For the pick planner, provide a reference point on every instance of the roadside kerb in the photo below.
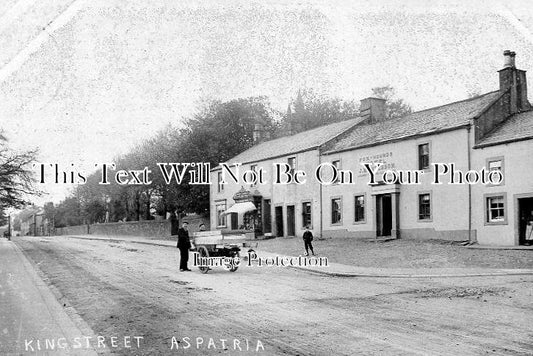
(64, 323)
(341, 270)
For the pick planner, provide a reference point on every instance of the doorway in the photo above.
(525, 216)
(291, 223)
(383, 215)
(267, 216)
(234, 221)
(279, 220)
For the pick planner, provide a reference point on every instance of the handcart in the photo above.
(216, 246)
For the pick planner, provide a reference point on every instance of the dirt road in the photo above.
(135, 292)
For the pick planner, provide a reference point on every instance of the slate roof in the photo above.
(517, 127)
(423, 122)
(299, 142)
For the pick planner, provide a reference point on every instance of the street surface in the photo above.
(136, 294)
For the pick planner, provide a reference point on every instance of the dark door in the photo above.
(279, 220)
(291, 224)
(234, 221)
(383, 215)
(267, 216)
(525, 214)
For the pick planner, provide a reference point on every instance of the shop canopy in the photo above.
(241, 208)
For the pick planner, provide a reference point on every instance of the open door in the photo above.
(383, 215)
(525, 228)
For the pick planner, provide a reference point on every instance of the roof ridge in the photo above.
(312, 129)
(452, 103)
(504, 122)
(433, 108)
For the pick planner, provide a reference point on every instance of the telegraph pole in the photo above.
(9, 227)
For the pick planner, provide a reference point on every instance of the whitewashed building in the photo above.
(490, 132)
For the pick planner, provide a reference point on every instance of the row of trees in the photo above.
(217, 132)
(15, 178)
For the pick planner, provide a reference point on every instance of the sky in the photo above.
(86, 80)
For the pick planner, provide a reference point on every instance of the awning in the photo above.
(241, 208)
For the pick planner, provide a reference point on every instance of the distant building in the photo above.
(493, 131)
(34, 224)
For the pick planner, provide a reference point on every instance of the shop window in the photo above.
(220, 209)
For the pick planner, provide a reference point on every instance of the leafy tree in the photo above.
(221, 130)
(310, 110)
(395, 107)
(3, 218)
(16, 223)
(15, 176)
(68, 212)
(218, 132)
(95, 211)
(49, 212)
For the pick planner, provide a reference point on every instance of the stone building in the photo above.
(492, 132)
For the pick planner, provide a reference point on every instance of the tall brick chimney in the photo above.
(373, 110)
(514, 80)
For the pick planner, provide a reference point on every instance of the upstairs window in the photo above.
(496, 164)
(292, 163)
(423, 156)
(337, 165)
(253, 168)
(220, 185)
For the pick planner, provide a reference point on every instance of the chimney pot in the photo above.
(508, 59)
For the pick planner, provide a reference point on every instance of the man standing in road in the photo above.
(184, 244)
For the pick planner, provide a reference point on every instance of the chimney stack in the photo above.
(260, 134)
(373, 110)
(514, 81)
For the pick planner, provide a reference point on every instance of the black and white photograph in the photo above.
(276, 177)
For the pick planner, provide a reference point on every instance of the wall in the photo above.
(72, 230)
(518, 180)
(156, 229)
(449, 203)
(148, 228)
(493, 116)
(195, 221)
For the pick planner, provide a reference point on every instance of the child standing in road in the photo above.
(308, 237)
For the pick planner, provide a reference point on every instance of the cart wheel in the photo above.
(202, 252)
(233, 268)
